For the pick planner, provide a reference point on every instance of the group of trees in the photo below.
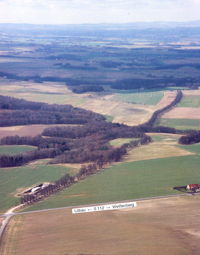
(84, 88)
(192, 137)
(78, 144)
(22, 112)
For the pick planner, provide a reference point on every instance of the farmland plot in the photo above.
(15, 180)
(182, 124)
(171, 227)
(182, 113)
(9, 150)
(125, 181)
(148, 98)
(28, 130)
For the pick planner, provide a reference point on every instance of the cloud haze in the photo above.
(97, 11)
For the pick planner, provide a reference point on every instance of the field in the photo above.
(9, 150)
(138, 74)
(151, 164)
(127, 181)
(15, 180)
(182, 113)
(186, 114)
(148, 98)
(182, 124)
(190, 99)
(163, 226)
(28, 130)
(190, 102)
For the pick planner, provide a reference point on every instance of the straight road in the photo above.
(11, 213)
(99, 204)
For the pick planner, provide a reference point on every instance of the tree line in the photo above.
(125, 84)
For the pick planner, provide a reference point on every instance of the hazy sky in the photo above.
(97, 11)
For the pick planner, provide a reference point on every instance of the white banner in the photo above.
(104, 207)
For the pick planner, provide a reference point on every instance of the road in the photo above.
(11, 213)
(70, 207)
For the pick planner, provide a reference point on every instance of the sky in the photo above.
(97, 11)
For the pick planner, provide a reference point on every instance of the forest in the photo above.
(21, 112)
(86, 142)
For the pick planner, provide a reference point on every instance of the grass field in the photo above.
(15, 180)
(182, 124)
(148, 98)
(14, 149)
(139, 179)
(163, 226)
(187, 101)
(195, 148)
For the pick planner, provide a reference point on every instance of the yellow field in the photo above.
(163, 226)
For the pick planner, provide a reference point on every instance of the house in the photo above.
(194, 187)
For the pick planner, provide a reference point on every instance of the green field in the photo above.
(164, 138)
(148, 98)
(15, 180)
(14, 149)
(192, 148)
(121, 141)
(182, 124)
(109, 118)
(131, 180)
(189, 102)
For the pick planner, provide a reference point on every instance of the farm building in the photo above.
(194, 187)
